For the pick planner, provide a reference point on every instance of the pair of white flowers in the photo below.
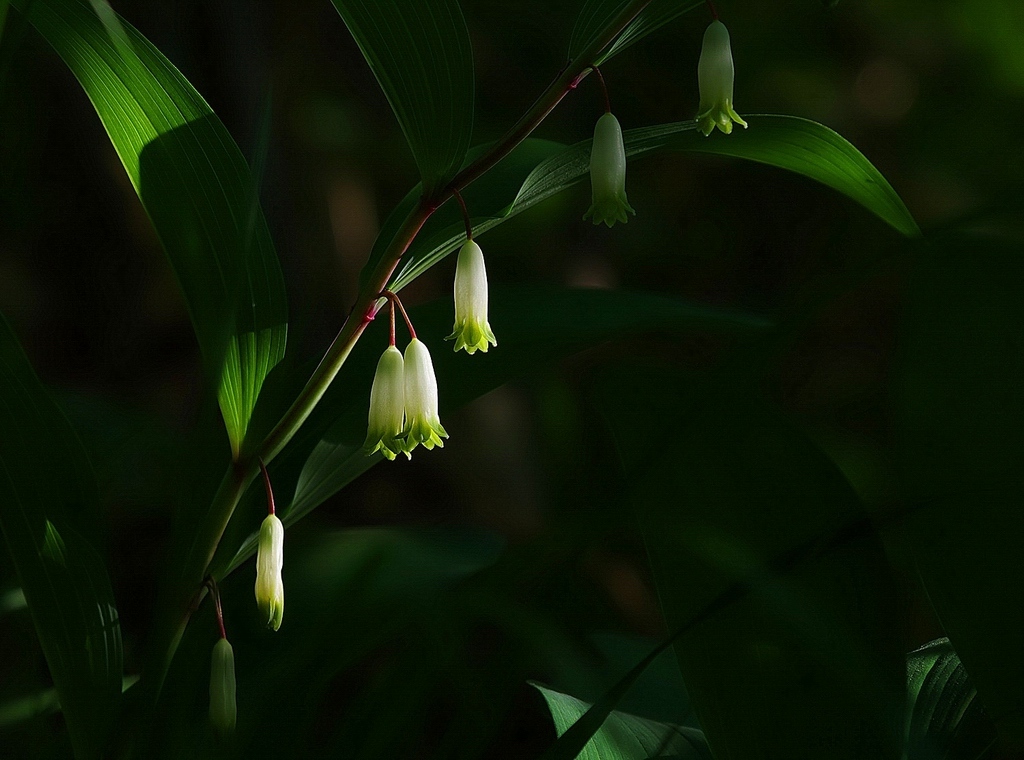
(715, 74)
(403, 403)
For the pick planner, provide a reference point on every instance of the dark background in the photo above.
(931, 92)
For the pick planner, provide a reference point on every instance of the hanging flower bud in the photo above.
(715, 77)
(222, 688)
(387, 406)
(269, 561)
(471, 330)
(422, 424)
(608, 174)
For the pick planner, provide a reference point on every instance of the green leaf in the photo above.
(47, 508)
(801, 146)
(786, 142)
(764, 559)
(652, 18)
(420, 52)
(658, 692)
(594, 17)
(623, 736)
(195, 186)
(945, 721)
(523, 319)
(960, 434)
(533, 168)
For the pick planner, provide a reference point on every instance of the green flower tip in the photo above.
(386, 425)
(608, 174)
(222, 688)
(269, 563)
(471, 332)
(715, 76)
(422, 424)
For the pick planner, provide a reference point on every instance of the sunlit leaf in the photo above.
(47, 510)
(786, 142)
(623, 736)
(419, 50)
(196, 187)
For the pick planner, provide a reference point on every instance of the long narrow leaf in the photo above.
(47, 508)
(786, 142)
(196, 188)
(593, 18)
(419, 50)
(651, 19)
(805, 658)
(959, 417)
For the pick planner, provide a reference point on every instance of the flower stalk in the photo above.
(241, 473)
(223, 708)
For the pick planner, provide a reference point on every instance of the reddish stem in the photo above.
(711, 7)
(396, 301)
(271, 509)
(392, 324)
(215, 592)
(604, 90)
(465, 213)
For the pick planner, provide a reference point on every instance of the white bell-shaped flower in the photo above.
(269, 563)
(471, 332)
(422, 424)
(386, 426)
(715, 78)
(608, 174)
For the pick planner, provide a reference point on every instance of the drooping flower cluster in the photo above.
(403, 403)
(715, 77)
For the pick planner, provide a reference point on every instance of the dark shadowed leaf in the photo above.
(960, 421)
(594, 17)
(419, 50)
(331, 454)
(196, 188)
(47, 510)
(651, 19)
(945, 721)
(761, 552)
(624, 736)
